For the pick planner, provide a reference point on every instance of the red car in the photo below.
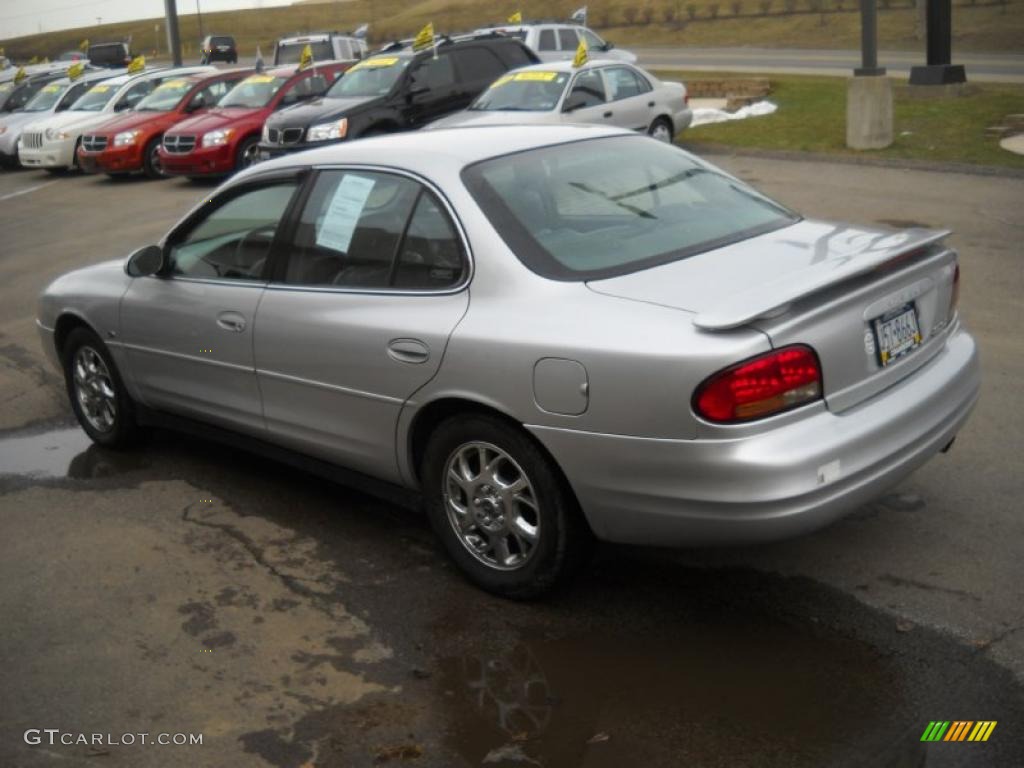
(223, 140)
(130, 142)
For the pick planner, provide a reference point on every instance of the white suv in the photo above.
(326, 46)
(558, 42)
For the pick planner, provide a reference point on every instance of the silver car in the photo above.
(599, 92)
(551, 333)
(558, 41)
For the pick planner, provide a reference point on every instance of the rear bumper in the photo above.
(681, 120)
(202, 161)
(774, 485)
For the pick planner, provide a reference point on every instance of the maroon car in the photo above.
(223, 140)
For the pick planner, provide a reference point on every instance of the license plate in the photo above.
(264, 155)
(896, 334)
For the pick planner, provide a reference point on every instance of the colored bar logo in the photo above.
(958, 730)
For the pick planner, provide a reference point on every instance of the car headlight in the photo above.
(328, 131)
(3, 129)
(54, 134)
(266, 133)
(217, 138)
(126, 138)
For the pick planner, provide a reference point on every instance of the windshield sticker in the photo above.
(380, 61)
(339, 222)
(259, 79)
(99, 89)
(171, 85)
(51, 89)
(528, 77)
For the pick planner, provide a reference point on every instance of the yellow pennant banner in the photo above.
(425, 38)
(581, 54)
(137, 65)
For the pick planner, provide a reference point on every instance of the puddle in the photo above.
(60, 453)
(740, 691)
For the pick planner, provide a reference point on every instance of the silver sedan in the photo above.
(599, 92)
(549, 333)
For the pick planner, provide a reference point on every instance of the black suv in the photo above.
(396, 89)
(110, 55)
(219, 48)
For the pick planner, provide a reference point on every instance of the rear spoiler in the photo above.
(772, 298)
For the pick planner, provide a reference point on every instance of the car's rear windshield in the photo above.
(111, 52)
(222, 41)
(47, 97)
(370, 77)
(291, 53)
(530, 91)
(96, 98)
(605, 207)
(253, 92)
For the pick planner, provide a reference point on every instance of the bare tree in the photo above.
(629, 14)
(647, 14)
(766, 7)
(790, 6)
(737, 7)
(668, 14)
(713, 10)
(691, 11)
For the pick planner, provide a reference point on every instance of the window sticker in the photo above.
(343, 212)
(378, 61)
(99, 89)
(529, 77)
(259, 79)
(51, 89)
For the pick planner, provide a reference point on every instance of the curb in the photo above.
(701, 148)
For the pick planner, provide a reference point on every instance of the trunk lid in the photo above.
(817, 283)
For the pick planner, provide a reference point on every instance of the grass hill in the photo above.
(979, 25)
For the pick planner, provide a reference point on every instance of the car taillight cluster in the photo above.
(766, 385)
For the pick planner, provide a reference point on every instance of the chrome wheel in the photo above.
(491, 505)
(94, 389)
(661, 132)
(155, 163)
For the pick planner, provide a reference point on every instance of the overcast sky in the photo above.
(18, 17)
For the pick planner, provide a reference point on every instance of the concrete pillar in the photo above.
(868, 112)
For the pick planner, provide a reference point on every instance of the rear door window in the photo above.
(368, 230)
(477, 64)
(623, 83)
(547, 40)
(435, 73)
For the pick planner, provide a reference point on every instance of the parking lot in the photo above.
(189, 588)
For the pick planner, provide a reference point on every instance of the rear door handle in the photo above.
(231, 321)
(408, 351)
(650, 103)
(607, 114)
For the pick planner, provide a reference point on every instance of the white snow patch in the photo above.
(703, 116)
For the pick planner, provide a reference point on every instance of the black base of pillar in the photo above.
(869, 71)
(938, 74)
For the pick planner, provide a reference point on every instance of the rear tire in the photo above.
(502, 511)
(661, 129)
(151, 165)
(98, 397)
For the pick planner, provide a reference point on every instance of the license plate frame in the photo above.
(897, 334)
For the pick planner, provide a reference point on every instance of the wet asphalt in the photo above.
(187, 587)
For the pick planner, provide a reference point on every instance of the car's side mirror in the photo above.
(574, 102)
(145, 261)
(416, 91)
(196, 105)
(607, 46)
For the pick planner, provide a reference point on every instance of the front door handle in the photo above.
(608, 114)
(231, 321)
(408, 351)
(650, 103)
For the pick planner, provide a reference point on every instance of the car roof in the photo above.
(91, 75)
(426, 152)
(566, 66)
(486, 37)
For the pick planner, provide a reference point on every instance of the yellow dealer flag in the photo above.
(425, 38)
(84, 45)
(306, 60)
(137, 65)
(76, 70)
(20, 75)
(34, 60)
(516, 18)
(581, 54)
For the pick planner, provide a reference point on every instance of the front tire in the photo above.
(247, 154)
(661, 130)
(151, 164)
(502, 511)
(98, 397)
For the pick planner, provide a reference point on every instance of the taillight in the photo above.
(954, 296)
(768, 384)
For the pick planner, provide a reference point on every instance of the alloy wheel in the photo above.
(661, 132)
(94, 389)
(491, 505)
(250, 154)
